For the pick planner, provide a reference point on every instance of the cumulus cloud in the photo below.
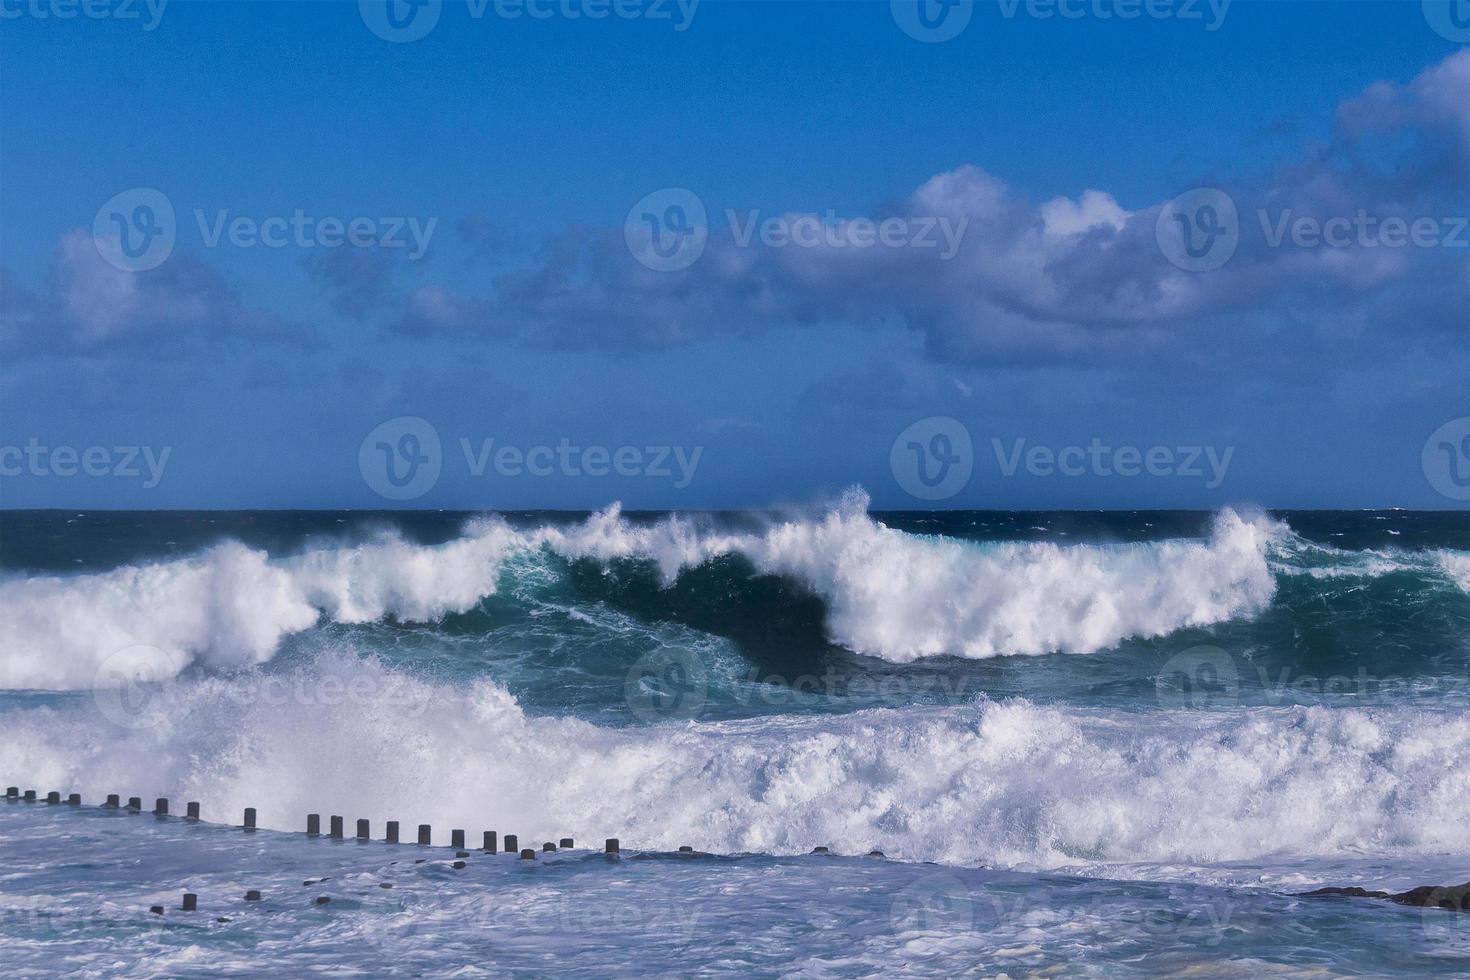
(1439, 98)
(356, 280)
(434, 310)
(1066, 279)
(89, 305)
(1095, 209)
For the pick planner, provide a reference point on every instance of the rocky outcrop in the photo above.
(1456, 898)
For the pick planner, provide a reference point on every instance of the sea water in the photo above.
(1117, 743)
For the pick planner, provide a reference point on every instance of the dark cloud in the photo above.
(91, 306)
(356, 280)
(485, 239)
(434, 311)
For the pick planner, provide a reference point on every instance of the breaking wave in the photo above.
(886, 593)
(1008, 783)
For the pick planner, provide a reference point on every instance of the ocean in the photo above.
(1112, 743)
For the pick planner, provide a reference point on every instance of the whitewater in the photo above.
(891, 595)
(1044, 723)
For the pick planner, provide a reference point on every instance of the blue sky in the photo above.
(1314, 375)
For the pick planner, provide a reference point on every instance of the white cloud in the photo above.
(1063, 216)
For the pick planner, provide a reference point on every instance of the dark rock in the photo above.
(1456, 898)
(1353, 892)
(1453, 897)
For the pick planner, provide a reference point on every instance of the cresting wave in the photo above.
(1001, 783)
(889, 594)
(231, 606)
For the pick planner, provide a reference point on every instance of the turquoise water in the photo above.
(1118, 743)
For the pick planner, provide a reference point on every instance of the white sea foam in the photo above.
(901, 597)
(1302, 557)
(232, 605)
(1002, 783)
(890, 594)
(1455, 564)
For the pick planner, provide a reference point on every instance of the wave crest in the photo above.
(888, 593)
